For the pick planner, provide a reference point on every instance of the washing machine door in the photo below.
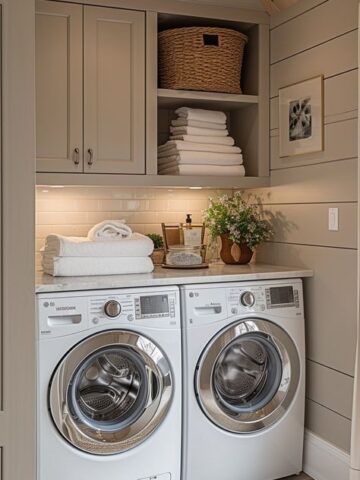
(110, 392)
(247, 376)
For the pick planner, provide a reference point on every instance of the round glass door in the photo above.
(110, 392)
(247, 376)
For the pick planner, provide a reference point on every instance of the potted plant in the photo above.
(240, 226)
(158, 253)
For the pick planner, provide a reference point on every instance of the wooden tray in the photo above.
(186, 267)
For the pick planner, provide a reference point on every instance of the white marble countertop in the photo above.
(161, 276)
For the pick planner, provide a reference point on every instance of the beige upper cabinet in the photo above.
(114, 90)
(96, 54)
(59, 109)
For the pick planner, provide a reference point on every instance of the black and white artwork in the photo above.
(301, 118)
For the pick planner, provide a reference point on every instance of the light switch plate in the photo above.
(333, 219)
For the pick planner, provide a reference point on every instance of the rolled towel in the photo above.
(184, 122)
(204, 139)
(81, 266)
(109, 230)
(235, 170)
(180, 145)
(136, 245)
(202, 158)
(198, 131)
(213, 116)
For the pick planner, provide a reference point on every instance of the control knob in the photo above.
(112, 308)
(247, 299)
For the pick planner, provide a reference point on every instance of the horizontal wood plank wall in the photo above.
(320, 37)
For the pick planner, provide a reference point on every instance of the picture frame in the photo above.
(301, 117)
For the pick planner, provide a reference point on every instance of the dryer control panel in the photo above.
(260, 298)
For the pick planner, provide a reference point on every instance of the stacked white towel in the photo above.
(109, 254)
(200, 145)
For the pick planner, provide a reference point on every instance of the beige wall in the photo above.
(321, 38)
(74, 210)
(17, 315)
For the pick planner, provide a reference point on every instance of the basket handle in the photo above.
(210, 39)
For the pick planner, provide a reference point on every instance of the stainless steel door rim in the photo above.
(110, 392)
(269, 397)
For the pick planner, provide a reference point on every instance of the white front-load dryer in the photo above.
(244, 370)
(109, 385)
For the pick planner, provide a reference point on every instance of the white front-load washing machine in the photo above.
(244, 370)
(109, 385)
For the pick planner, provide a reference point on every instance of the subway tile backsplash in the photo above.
(74, 210)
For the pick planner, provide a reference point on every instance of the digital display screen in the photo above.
(154, 304)
(281, 295)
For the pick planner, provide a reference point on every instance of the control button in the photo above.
(247, 299)
(112, 308)
(95, 320)
(234, 311)
(130, 317)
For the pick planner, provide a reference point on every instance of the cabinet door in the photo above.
(114, 91)
(59, 102)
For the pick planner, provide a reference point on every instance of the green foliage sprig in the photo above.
(157, 240)
(240, 219)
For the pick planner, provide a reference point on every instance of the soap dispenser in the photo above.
(192, 236)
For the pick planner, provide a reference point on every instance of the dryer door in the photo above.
(247, 376)
(110, 392)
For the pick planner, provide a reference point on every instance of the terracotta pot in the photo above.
(158, 256)
(234, 253)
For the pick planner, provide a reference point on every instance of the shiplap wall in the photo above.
(320, 37)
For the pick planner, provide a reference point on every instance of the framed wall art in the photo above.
(301, 118)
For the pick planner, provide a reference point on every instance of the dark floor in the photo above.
(303, 476)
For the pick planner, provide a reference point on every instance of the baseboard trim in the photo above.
(324, 461)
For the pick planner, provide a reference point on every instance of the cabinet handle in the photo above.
(76, 156)
(91, 156)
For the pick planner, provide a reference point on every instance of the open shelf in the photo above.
(225, 101)
(166, 181)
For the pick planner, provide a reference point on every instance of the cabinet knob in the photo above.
(76, 156)
(91, 156)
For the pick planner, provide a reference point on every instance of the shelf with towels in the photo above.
(172, 99)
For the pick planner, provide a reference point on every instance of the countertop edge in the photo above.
(216, 275)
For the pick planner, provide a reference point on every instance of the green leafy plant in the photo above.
(241, 220)
(157, 240)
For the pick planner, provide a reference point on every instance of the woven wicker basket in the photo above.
(201, 58)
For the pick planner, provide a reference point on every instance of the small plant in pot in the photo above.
(240, 226)
(158, 253)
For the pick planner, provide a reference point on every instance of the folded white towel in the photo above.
(109, 230)
(136, 245)
(201, 158)
(235, 170)
(184, 122)
(198, 131)
(180, 145)
(202, 115)
(204, 139)
(81, 266)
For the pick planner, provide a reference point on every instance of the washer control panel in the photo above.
(62, 314)
(133, 307)
(154, 306)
